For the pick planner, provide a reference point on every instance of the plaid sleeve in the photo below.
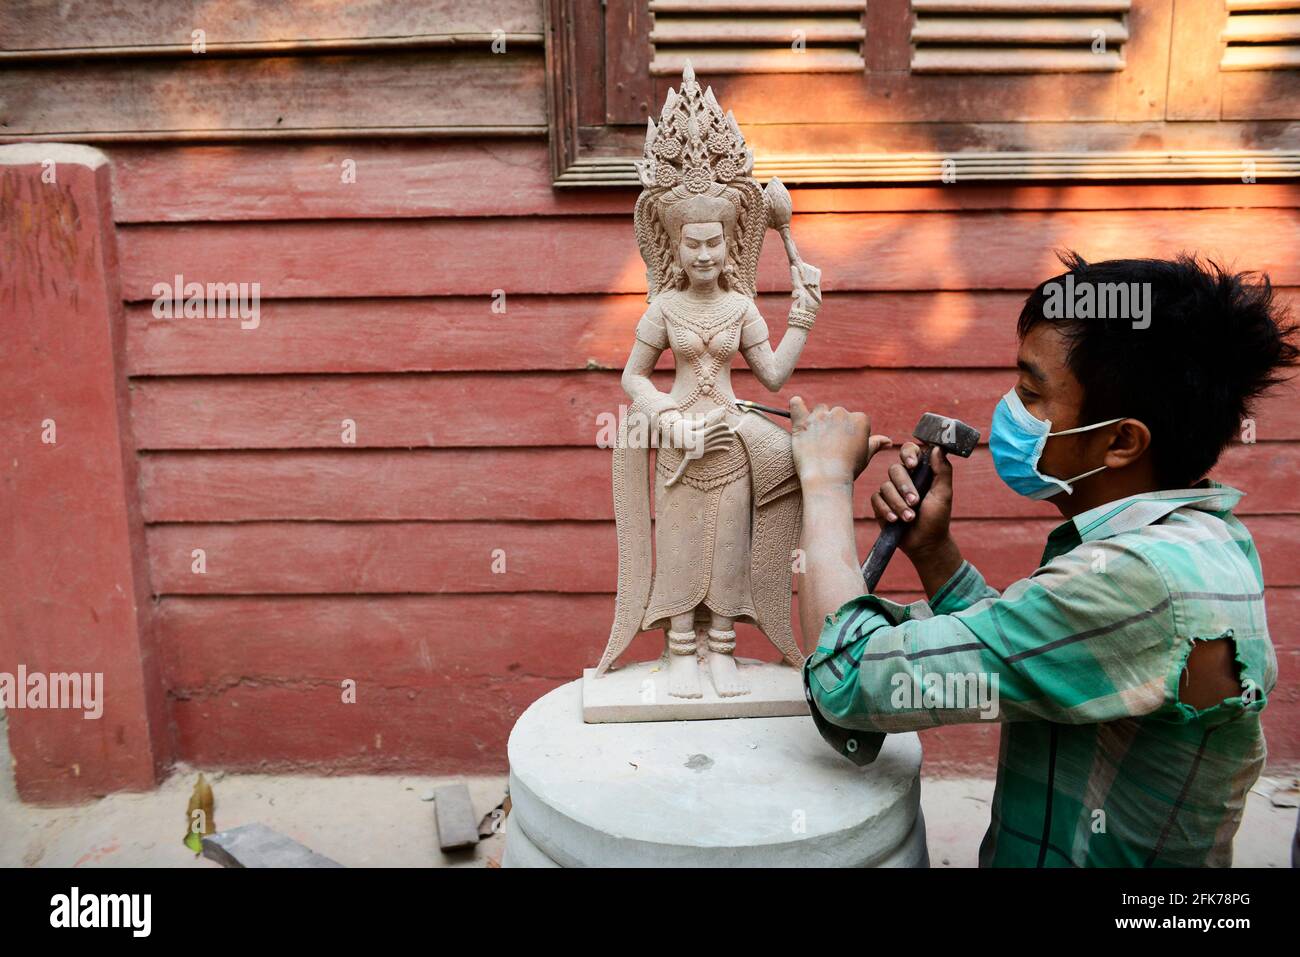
(853, 739)
(963, 589)
(1088, 638)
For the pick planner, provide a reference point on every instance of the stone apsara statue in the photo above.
(726, 497)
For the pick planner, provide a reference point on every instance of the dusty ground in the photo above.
(369, 821)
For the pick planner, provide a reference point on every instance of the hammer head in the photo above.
(952, 435)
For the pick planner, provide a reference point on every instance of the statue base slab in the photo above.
(639, 692)
(758, 792)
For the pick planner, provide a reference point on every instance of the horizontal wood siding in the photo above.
(476, 429)
(991, 250)
(284, 96)
(238, 70)
(32, 26)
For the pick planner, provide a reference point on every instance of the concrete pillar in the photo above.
(76, 597)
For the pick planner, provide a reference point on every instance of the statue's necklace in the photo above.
(705, 317)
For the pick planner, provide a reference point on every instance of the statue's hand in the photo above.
(671, 425)
(806, 286)
(700, 437)
(695, 436)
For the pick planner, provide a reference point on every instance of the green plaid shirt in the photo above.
(1100, 763)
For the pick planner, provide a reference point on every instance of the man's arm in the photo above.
(832, 571)
(831, 448)
(832, 575)
(1067, 644)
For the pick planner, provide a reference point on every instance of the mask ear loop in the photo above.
(1085, 428)
(1070, 482)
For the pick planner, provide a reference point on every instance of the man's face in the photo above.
(1049, 390)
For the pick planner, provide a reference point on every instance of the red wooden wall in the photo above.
(476, 429)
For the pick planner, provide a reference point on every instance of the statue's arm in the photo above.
(651, 341)
(773, 367)
(636, 373)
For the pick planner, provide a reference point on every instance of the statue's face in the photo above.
(702, 251)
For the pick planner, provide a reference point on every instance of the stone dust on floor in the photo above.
(359, 821)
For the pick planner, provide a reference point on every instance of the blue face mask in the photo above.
(1016, 439)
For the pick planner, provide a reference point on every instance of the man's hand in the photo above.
(831, 446)
(897, 501)
(926, 542)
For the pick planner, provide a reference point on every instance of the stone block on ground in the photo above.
(457, 826)
(256, 845)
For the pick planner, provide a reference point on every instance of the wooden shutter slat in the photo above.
(1007, 30)
(756, 6)
(1263, 29)
(1018, 7)
(1004, 60)
(1247, 5)
(733, 30)
(1261, 58)
(733, 60)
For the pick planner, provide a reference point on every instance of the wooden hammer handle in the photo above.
(922, 477)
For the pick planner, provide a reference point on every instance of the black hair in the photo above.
(1213, 342)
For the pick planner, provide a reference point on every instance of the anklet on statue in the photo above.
(722, 642)
(681, 642)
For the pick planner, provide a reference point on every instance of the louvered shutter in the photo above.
(1003, 36)
(872, 91)
(757, 36)
(1262, 35)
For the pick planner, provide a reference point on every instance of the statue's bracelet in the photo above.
(801, 318)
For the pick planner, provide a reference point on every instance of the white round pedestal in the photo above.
(739, 792)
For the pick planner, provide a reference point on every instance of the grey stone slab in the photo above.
(457, 825)
(256, 845)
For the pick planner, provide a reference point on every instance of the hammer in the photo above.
(951, 435)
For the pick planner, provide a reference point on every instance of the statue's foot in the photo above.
(684, 676)
(726, 676)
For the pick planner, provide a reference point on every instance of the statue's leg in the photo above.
(683, 665)
(722, 658)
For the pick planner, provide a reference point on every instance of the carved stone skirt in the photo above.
(702, 536)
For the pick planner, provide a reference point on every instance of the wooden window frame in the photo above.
(596, 116)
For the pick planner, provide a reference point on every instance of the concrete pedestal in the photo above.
(738, 792)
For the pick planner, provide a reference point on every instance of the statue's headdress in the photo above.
(696, 169)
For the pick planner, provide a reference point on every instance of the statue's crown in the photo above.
(695, 145)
